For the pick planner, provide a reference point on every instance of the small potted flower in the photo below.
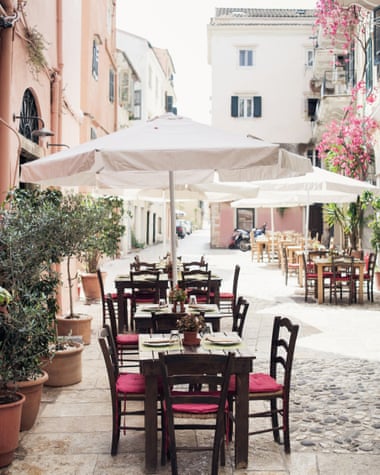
(177, 297)
(190, 325)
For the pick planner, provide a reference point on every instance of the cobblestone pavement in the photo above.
(334, 402)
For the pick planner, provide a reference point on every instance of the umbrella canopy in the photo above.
(142, 156)
(319, 186)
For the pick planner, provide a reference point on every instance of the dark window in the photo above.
(137, 105)
(245, 218)
(312, 104)
(246, 106)
(95, 60)
(111, 94)
(169, 103)
(368, 68)
(376, 35)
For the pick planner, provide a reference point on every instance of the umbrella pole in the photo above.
(272, 226)
(172, 228)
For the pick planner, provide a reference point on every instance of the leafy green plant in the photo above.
(102, 229)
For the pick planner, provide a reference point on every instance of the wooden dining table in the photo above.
(124, 283)
(325, 263)
(149, 366)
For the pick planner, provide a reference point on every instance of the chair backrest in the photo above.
(284, 336)
(357, 253)
(235, 284)
(197, 282)
(111, 315)
(191, 370)
(147, 284)
(195, 265)
(102, 296)
(371, 264)
(109, 353)
(239, 315)
(164, 322)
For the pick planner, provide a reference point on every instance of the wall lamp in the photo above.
(57, 145)
(26, 123)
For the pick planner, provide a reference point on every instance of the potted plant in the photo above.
(103, 229)
(190, 325)
(31, 244)
(177, 297)
(372, 203)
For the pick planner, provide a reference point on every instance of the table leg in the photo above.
(320, 284)
(150, 424)
(241, 421)
(361, 283)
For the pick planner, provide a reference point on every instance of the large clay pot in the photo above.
(66, 366)
(377, 280)
(32, 390)
(75, 327)
(91, 286)
(10, 421)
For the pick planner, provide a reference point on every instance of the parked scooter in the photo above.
(240, 238)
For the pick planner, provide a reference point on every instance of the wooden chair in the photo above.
(127, 344)
(342, 279)
(205, 409)
(126, 298)
(195, 265)
(288, 267)
(369, 274)
(164, 322)
(124, 387)
(145, 288)
(197, 282)
(274, 386)
(227, 300)
(239, 315)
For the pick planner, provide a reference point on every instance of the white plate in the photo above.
(223, 341)
(154, 342)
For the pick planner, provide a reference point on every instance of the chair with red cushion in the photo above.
(227, 300)
(126, 297)
(288, 267)
(145, 288)
(205, 409)
(369, 274)
(274, 386)
(342, 279)
(124, 387)
(197, 282)
(127, 344)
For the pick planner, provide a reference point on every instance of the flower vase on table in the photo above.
(179, 307)
(177, 297)
(190, 338)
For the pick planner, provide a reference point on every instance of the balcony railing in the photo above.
(336, 83)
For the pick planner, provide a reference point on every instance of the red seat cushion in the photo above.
(127, 339)
(130, 383)
(258, 383)
(196, 408)
(226, 295)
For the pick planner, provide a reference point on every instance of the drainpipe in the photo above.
(56, 107)
(8, 158)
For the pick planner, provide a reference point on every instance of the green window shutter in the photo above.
(376, 35)
(234, 106)
(257, 106)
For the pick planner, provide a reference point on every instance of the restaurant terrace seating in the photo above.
(274, 386)
(124, 388)
(127, 344)
(205, 409)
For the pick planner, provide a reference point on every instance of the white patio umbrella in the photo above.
(319, 186)
(149, 155)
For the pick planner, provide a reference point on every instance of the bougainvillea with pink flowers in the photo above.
(347, 145)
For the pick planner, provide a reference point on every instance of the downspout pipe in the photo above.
(9, 157)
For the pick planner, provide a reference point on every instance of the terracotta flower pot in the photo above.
(10, 421)
(191, 339)
(32, 390)
(65, 368)
(75, 327)
(91, 286)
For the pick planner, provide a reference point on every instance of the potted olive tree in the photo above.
(27, 251)
(102, 219)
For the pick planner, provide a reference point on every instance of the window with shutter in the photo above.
(257, 106)
(95, 60)
(234, 106)
(376, 35)
(111, 93)
(246, 107)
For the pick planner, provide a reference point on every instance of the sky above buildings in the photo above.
(181, 27)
